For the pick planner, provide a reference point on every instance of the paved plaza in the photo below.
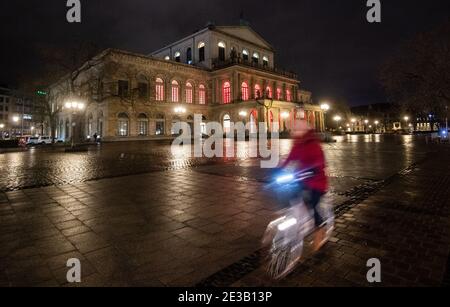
(136, 216)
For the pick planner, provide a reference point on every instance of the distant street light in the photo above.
(2, 126)
(337, 119)
(325, 107)
(15, 119)
(376, 126)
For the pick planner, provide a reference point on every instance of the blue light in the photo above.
(285, 179)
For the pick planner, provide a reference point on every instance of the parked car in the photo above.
(39, 140)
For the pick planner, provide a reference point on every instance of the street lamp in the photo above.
(376, 126)
(325, 107)
(337, 119)
(74, 107)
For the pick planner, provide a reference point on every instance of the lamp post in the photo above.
(74, 107)
(406, 118)
(366, 122)
(337, 119)
(15, 120)
(325, 107)
(376, 126)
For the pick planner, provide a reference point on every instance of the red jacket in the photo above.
(308, 152)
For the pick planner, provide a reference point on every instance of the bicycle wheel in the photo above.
(282, 261)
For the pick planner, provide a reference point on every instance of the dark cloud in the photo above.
(328, 42)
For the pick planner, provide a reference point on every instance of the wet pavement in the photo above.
(358, 157)
(136, 215)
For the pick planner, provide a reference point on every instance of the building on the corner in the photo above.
(16, 114)
(226, 74)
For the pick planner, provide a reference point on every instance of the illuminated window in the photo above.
(226, 92)
(143, 124)
(201, 52)
(279, 93)
(257, 91)
(245, 55)
(255, 58)
(269, 92)
(175, 91)
(159, 90)
(177, 56)
(222, 47)
(202, 94)
(188, 93)
(288, 95)
(244, 89)
(265, 61)
(227, 123)
(123, 124)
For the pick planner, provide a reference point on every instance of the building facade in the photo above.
(16, 114)
(225, 74)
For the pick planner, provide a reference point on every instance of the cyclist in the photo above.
(307, 153)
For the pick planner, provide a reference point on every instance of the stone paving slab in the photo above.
(171, 228)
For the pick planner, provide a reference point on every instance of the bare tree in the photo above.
(418, 76)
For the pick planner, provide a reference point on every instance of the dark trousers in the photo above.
(312, 199)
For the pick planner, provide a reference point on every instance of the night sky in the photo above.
(336, 52)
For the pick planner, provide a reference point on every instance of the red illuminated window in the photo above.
(175, 91)
(226, 92)
(202, 94)
(257, 91)
(269, 92)
(159, 89)
(288, 95)
(279, 93)
(188, 93)
(244, 89)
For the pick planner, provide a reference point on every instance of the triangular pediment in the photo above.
(246, 33)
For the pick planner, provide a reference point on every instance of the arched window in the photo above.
(175, 91)
(177, 56)
(226, 123)
(202, 94)
(279, 93)
(244, 89)
(226, 92)
(245, 55)
(269, 92)
(143, 124)
(100, 124)
(160, 123)
(189, 56)
(188, 92)
(257, 91)
(89, 126)
(159, 89)
(265, 61)
(255, 58)
(201, 52)
(123, 124)
(222, 47)
(288, 95)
